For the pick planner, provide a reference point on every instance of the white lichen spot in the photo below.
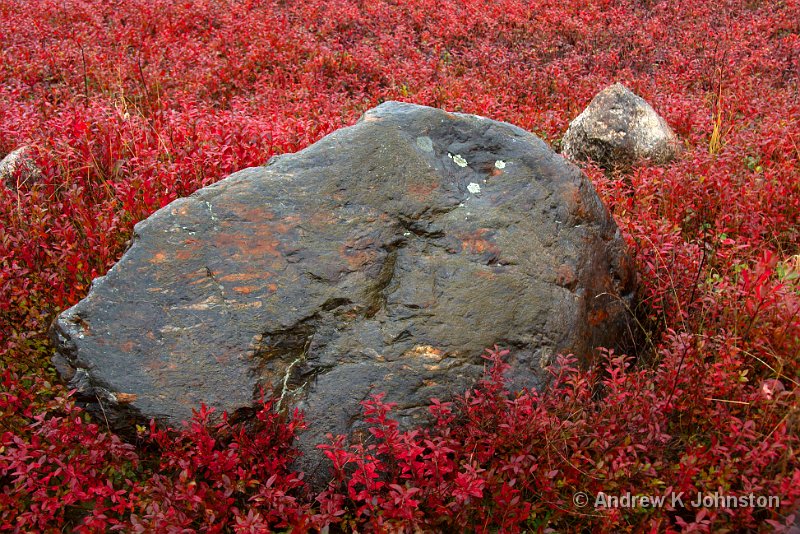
(458, 160)
(474, 188)
(500, 164)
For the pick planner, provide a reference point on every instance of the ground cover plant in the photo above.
(129, 104)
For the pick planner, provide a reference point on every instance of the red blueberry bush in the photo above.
(129, 104)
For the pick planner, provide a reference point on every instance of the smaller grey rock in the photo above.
(618, 130)
(18, 167)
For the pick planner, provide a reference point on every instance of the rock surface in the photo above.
(18, 167)
(618, 130)
(385, 257)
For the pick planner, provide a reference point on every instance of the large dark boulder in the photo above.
(385, 257)
(619, 129)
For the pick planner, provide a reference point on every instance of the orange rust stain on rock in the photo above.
(597, 316)
(242, 210)
(357, 258)
(496, 172)
(259, 249)
(225, 240)
(199, 278)
(476, 243)
(246, 290)
(128, 346)
(358, 253)
(158, 257)
(256, 214)
(257, 245)
(126, 398)
(574, 201)
(422, 191)
(184, 254)
(282, 227)
(245, 277)
(272, 287)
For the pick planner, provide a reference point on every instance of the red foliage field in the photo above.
(129, 104)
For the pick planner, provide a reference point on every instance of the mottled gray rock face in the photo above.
(618, 130)
(18, 167)
(385, 257)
